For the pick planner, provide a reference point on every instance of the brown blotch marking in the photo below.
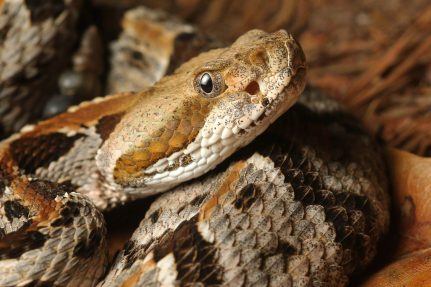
(50, 190)
(155, 216)
(305, 194)
(286, 248)
(132, 252)
(234, 173)
(133, 279)
(195, 258)
(41, 195)
(30, 153)
(13, 245)
(88, 114)
(14, 209)
(33, 196)
(40, 10)
(69, 211)
(247, 196)
(107, 124)
(198, 200)
(128, 247)
(88, 246)
(165, 246)
(309, 190)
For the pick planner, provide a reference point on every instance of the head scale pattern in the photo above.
(212, 105)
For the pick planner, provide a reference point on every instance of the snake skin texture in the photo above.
(130, 145)
(32, 50)
(304, 205)
(57, 237)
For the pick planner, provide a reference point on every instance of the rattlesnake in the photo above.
(303, 205)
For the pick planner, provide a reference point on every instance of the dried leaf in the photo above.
(411, 258)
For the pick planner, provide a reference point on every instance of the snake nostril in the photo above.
(252, 88)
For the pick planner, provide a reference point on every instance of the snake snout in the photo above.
(296, 56)
(279, 52)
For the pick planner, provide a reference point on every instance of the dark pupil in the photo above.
(206, 83)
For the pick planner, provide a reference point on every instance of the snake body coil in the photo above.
(303, 205)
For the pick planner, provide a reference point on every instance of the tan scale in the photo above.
(180, 130)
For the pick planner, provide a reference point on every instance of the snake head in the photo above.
(252, 83)
(211, 106)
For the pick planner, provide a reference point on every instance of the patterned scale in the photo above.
(284, 213)
(51, 238)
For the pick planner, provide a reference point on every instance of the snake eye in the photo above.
(206, 83)
(209, 84)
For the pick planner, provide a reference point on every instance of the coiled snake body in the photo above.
(304, 205)
(295, 208)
